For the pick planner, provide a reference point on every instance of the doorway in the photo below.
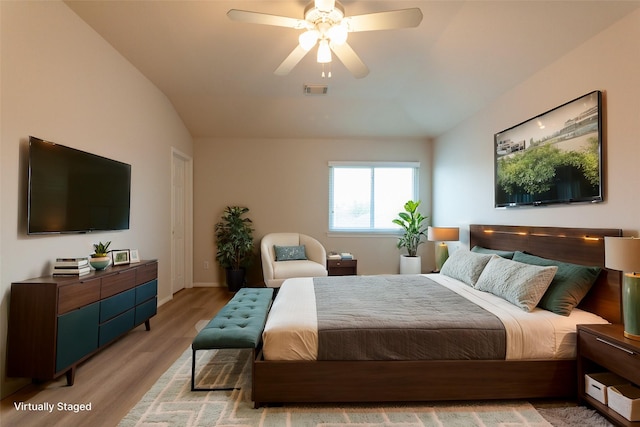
(181, 221)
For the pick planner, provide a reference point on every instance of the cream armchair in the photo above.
(275, 272)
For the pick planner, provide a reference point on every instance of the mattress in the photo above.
(291, 330)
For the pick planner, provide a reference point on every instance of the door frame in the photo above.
(188, 217)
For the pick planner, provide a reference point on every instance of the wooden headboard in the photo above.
(583, 246)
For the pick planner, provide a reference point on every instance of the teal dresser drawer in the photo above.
(146, 291)
(77, 335)
(146, 310)
(116, 327)
(116, 304)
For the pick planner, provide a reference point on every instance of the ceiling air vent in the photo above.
(315, 89)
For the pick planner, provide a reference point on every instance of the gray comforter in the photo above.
(402, 317)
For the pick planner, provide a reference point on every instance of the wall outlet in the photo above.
(206, 265)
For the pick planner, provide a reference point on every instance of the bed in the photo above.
(524, 371)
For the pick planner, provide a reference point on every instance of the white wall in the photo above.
(62, 82)
(463, 158)
(285, 184)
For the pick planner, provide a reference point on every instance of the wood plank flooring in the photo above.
(116, 378)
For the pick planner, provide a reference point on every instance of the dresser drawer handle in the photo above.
(616, 346)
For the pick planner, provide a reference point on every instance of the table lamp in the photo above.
(623, 254)
(442, 235)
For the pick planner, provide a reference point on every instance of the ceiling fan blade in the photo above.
(402, 18)
(350, 59)
(265, 19)
(291, 61)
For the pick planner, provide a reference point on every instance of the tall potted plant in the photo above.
(414, 235)
(234, 238)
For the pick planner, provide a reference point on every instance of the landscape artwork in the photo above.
(555, 157)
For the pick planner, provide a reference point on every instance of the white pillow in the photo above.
(521, 284)
(465, 265)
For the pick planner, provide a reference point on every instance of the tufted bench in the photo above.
(238, 325)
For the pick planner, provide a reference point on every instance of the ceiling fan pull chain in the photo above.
(328, 73)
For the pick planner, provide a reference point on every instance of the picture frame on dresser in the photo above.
(121, 257)
(134, 256)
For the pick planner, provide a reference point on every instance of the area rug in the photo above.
(170, 402)
(574, 416)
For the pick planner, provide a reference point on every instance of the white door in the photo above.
(180, 221)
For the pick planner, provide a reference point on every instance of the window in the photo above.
(366, 197)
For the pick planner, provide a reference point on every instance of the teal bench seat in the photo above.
(239, 324)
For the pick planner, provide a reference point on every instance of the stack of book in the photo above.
(341, 255)
(71, 267)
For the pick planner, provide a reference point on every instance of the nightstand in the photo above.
(342, 267)
(604, 348)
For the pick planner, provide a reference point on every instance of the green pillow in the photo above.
(503, 254)
(290, 253)
(569, 286)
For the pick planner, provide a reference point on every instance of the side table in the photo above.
(604, 348)
(342, 267)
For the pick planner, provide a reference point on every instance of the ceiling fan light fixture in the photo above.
(338, 34)
(308, 39)
(324, 52)
(327, 18)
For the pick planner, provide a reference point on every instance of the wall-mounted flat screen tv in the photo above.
(555, 157)
(72, 191)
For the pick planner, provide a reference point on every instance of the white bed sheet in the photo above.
(291, 331)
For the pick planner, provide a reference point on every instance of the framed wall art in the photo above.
(553, 158)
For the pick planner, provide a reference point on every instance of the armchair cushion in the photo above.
(298, 268)
(290, 253)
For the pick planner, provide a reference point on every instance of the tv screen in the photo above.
(555, 157)
(72, 191)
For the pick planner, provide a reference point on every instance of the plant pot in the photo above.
(100, 263)
(410, 264)
(235, 279)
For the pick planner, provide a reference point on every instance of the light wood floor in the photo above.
(116, 378)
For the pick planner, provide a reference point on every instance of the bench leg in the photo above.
(193, 378)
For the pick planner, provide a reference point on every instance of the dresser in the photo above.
(57, 322)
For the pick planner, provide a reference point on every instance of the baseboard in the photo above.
(165, 300)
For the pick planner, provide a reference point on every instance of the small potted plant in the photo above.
(234, 238)
(100, 258)
(414, 235)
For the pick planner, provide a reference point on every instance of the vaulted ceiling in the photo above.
(219, 74)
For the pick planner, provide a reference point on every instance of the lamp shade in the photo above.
(443, 234)
(622, 253)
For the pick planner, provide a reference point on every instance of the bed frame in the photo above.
(431, 380)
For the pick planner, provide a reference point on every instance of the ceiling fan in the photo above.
(326, 25)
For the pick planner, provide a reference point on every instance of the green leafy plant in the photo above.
(534, 171)
(234, 238)
(414, 230)
(100, 249)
